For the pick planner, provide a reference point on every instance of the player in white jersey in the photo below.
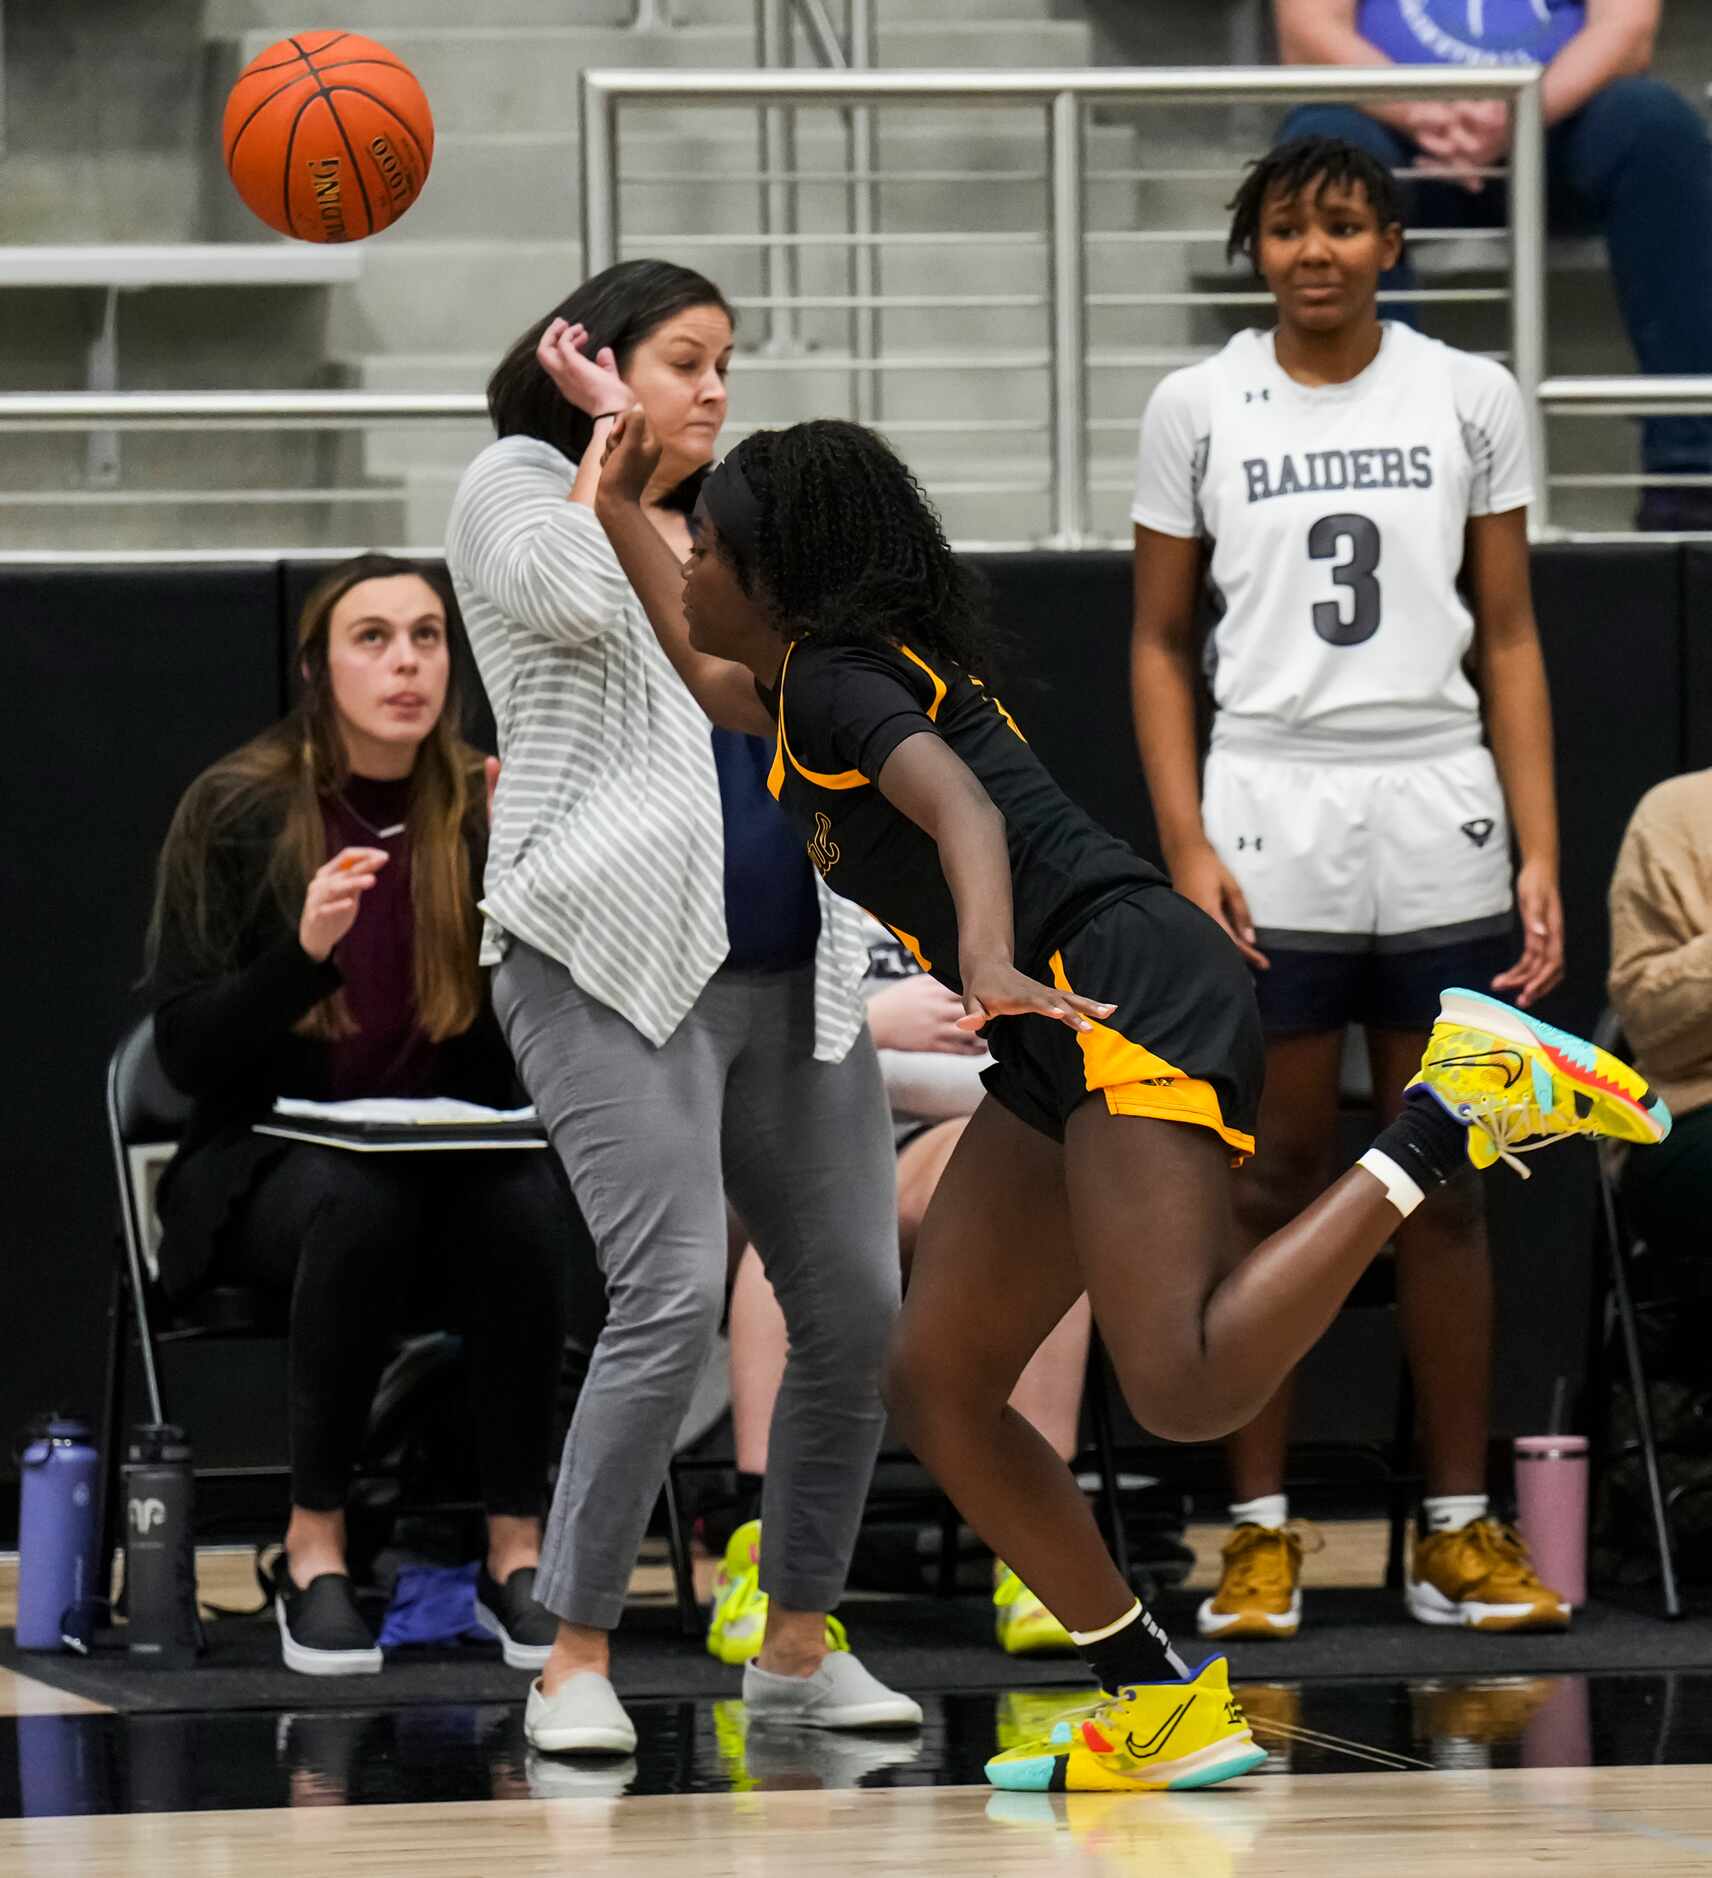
(1358, 495)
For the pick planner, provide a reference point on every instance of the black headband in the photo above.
(730, 498)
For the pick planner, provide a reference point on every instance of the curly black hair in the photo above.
(1321, 162)
(850, 551)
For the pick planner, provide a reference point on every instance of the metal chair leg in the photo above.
(1615, 1252)
(1100, 1420)
(1402, 1480)
(950, 1549)
(683, 1571)
(112, 1426)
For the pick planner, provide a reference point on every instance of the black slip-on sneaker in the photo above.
(321, 1631)
(508, 1611)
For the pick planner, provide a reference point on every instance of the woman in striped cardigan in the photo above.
(682, 999)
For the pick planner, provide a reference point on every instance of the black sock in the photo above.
(1139, 1652)
(749, 1489)
(1426, 1141)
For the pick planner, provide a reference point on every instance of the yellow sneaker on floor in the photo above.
(1520, 1084)
(1151, 1736)
(1480, 1577)
(738, 1624)
(1022, 1624)
(1260, 1585)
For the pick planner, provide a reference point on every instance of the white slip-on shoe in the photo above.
(583, 1716)
(840, 1694)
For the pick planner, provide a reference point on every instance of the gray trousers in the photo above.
(653, 1140)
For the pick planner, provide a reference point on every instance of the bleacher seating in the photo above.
(494, 241)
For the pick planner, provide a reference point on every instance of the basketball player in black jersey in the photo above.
(822, 606)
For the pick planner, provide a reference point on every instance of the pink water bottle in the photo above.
(1551, 1510)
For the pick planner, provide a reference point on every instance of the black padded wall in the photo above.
(116, 688)
(121, 683)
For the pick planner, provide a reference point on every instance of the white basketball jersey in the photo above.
(1336, 516)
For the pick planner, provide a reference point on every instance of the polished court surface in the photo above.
(1489, 1776)
(1471, 1776)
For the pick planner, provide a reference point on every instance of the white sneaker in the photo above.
(840, 1694)
(585, 1716)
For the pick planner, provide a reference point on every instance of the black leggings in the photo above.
(369, 1246)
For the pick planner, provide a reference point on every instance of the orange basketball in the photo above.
(327, 136)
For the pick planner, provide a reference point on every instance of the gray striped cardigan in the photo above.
(607, 850)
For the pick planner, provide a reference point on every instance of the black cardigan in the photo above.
(226, 1041)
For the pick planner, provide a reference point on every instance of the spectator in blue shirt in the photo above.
(1626, 157)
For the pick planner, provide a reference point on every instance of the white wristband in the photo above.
(1401, 1189)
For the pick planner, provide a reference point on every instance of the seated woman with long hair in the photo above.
(315, 935)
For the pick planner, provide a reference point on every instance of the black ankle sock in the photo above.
(749, 1490)
(1140, 1652)
(1426, 1141)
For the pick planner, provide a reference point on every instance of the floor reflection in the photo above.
(62, 1764)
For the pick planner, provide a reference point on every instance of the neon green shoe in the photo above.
(738, 1625)
(1520, 1084)
(1022, 1624)
(1153, 1735)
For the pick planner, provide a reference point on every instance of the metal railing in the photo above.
(1066, 358)
(1063, 98)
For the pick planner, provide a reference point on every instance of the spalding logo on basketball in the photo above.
(327, 136)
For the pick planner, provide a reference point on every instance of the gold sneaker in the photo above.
(1260, 1590)
(1480, 1577)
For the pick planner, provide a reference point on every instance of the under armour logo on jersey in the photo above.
(1258, 397)
(1242, 841)
(1479, 831)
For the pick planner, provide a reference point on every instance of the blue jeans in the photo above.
(1633, 164)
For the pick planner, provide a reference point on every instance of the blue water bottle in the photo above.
(57, 1537)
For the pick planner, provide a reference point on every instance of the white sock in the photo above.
(1271, 1510)
(1450, 1512)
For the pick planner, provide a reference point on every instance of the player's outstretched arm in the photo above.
(724, 689)
(926, 780)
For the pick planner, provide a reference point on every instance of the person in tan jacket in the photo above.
(1661, 985)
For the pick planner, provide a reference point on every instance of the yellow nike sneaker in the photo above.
(1147, 1736)
(738, 1624)
(1520, 1084)
(1480, 1577)
(1260, 1585)
(1022, 1624)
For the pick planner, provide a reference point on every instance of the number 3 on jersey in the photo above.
(1356, 539)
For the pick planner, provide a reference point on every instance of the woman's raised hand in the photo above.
(632, 456)
(335, 893)
(592, 385)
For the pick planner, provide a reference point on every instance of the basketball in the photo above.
(327, 136)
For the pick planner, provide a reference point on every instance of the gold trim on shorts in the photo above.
(1135, 1081)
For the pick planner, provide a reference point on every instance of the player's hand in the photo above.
(490, 778)
(592, 385)
(920, 1013)
(334, 898)
(1541, 965)
(998, 990)
(632, 456)
(1204, 878)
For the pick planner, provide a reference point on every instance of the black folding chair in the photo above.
(145, 1117)
(1622, 1246)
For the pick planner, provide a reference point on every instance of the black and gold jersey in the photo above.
(841, 711)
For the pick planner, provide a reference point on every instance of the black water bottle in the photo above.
(160, 1550)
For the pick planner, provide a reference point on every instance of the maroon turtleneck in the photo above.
(389, 1055)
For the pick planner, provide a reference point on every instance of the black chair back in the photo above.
(141, 1104)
